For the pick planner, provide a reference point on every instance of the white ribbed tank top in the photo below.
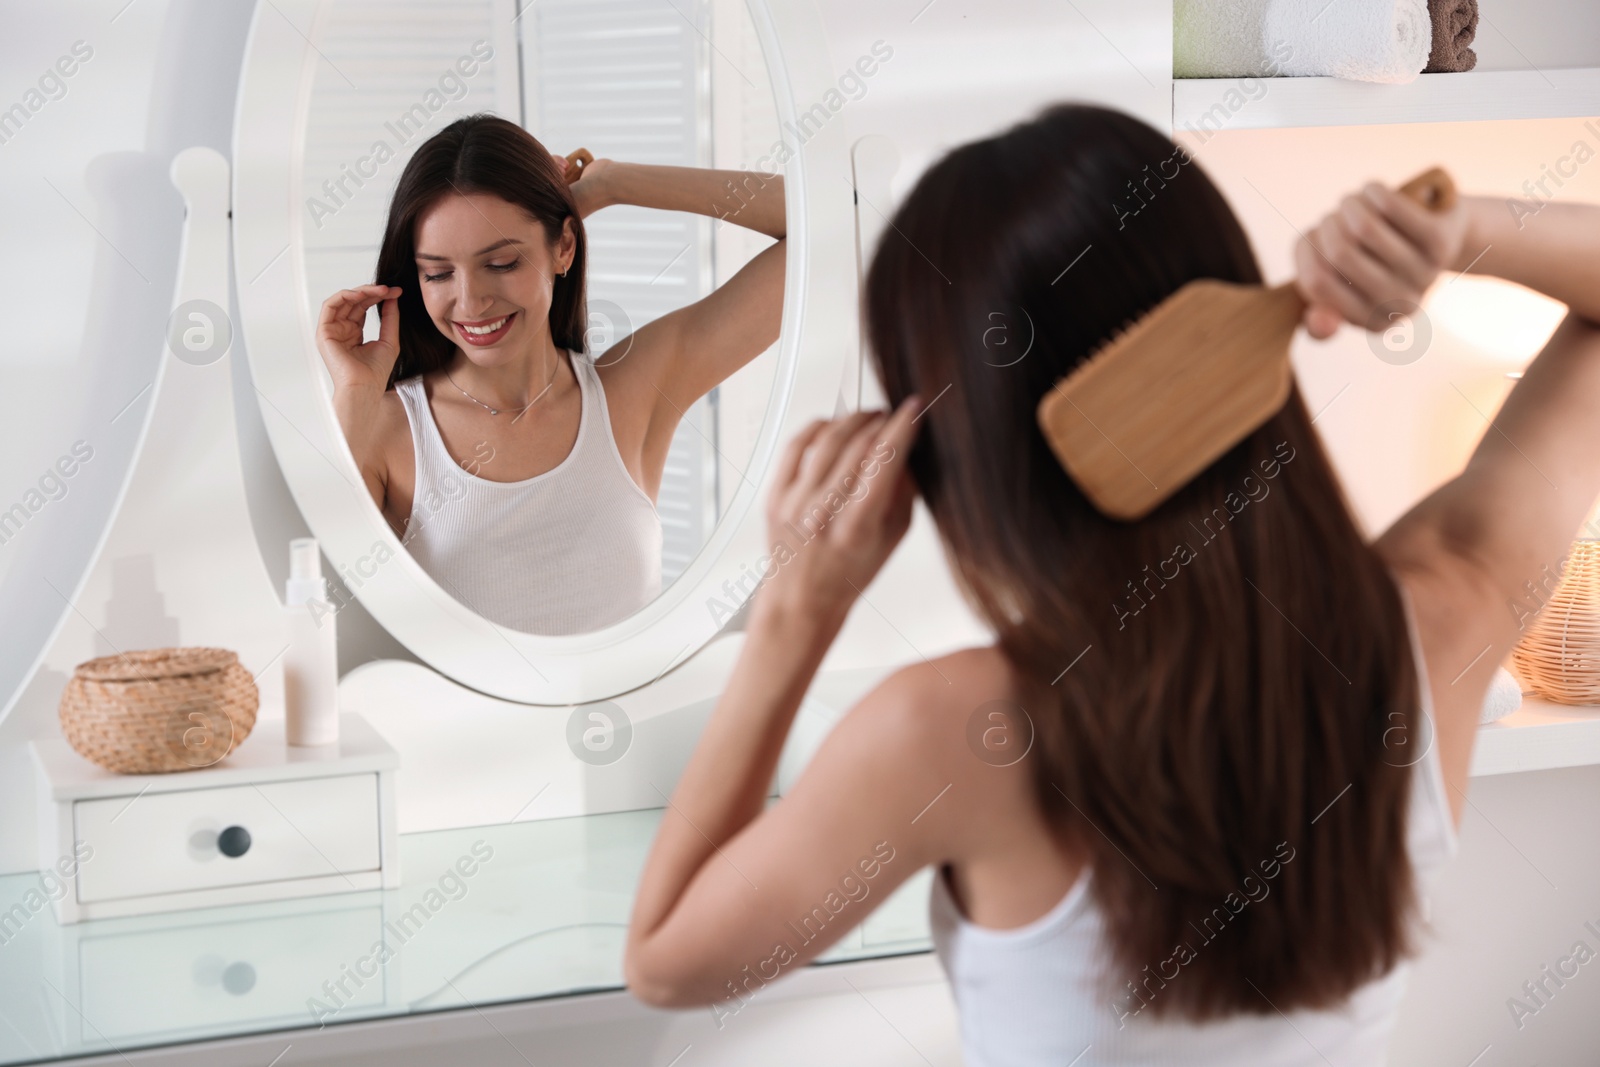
(571, 550)
(1030, 996)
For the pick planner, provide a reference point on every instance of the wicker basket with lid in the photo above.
(158, 710)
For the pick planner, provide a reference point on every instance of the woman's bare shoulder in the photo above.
(947, 703)
(394, 428)
(396, 456)
(958, 676)
(632, 372)
(965, 720)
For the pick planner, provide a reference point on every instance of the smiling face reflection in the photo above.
(486, 273)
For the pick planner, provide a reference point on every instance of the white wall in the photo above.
(1396, 431)
(1515, 900)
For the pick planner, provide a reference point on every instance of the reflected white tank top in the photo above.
(1030, 996)
(568, 551)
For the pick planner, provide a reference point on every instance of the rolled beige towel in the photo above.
(1455, 25)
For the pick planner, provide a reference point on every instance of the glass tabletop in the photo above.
(483, 915)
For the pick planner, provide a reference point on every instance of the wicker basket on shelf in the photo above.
(158, 710)
(1559, 654)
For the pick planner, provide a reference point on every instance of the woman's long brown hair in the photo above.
(1231, 746)
(477, 154)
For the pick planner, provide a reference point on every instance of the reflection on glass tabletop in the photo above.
(485, 914)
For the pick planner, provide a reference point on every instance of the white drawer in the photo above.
(168, 842)
(258, 971)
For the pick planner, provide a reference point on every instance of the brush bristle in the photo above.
(1098, 354)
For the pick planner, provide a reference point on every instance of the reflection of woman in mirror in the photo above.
(521, 474)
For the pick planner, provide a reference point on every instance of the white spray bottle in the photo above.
(311, 664)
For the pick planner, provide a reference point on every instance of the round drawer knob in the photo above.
(234, 841)
(239, 978)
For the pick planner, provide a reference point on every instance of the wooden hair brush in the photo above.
(577, 160)
(1154, 407)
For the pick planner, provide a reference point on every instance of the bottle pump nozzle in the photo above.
(305, 572)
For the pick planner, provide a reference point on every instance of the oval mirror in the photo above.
(566, 500)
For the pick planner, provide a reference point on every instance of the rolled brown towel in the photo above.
(1455, 24)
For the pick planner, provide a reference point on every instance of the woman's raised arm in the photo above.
(679, 357)
(1480, 554)
(360, 372)
(742, 197)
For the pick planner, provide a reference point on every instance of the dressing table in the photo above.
(517, 857)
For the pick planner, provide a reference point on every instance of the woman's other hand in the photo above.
(840, 503)
(355, 365)
(588, 185)
(1378, 247)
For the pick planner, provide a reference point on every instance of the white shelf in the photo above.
(1209, 104)
(263, 756)
(1539, 736)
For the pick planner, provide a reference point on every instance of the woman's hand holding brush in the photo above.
(1377, 247)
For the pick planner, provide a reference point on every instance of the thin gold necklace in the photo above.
(554, 364)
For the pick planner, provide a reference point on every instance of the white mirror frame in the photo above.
(277, 328)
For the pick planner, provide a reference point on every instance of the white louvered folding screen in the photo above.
(387, 81)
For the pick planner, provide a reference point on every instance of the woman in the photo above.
(519, 473)
(1202, 830)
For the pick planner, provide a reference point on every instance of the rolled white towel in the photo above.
(1365, 40)
(1504, 697)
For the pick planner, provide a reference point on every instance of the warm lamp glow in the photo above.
(1507, 321)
